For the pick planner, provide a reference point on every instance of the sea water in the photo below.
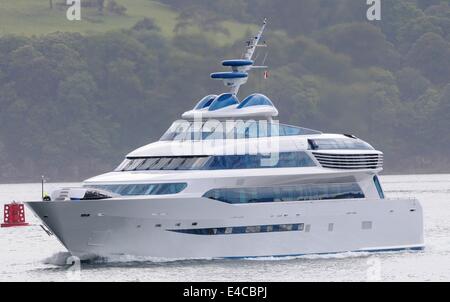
(29, 254)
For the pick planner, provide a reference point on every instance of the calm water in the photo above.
(28, 254)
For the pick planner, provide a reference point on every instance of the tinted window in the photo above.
(338, 144)
(255, 100)
(225, 162)
(184, 130)
(281, 160)
(244, 229)
(378, 186)
(205, 102)
(142, 189)
(222, 101)
(287, 193)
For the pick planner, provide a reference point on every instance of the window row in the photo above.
(217, 130)
(142, 189)
(286, 193)
(245, 229)
(222, 162)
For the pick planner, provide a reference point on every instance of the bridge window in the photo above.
(279, 160)
(222, 162)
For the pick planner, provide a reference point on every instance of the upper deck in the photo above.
(222, 133)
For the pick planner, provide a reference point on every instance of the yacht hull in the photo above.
(157, 227)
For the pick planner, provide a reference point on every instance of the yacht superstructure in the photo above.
(228, 180)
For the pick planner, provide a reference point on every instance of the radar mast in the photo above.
(240, 67)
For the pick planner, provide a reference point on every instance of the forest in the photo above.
(73, 104)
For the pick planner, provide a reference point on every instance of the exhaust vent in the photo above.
(350, 161)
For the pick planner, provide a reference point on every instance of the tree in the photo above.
(441, 117)
(146, 24)
(72, 105)
(200, 17)
(411, 31)
(424, 4)
(396, 13)
(411, 84)
(116, 8)
(362, 42)
(101, 6)
(430, 54)
(317, 59)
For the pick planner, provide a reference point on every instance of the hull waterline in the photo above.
(157, 228)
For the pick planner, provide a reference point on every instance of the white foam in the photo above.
(59, 259)
(133, 259)
(345, 255)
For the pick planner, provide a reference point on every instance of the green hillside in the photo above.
(34, 17)
(72, 105)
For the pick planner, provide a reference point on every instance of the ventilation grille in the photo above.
(350, 161)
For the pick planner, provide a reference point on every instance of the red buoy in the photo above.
(14, 215)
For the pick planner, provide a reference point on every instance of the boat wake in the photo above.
(63, 259)
(58, 259)
(344, 255)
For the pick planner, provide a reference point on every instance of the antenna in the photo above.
(240, 67)
(255, 42)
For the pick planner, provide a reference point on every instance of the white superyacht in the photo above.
(230, 181)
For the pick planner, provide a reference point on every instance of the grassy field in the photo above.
(34, 17)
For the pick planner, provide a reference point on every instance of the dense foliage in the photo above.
(72, 105)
